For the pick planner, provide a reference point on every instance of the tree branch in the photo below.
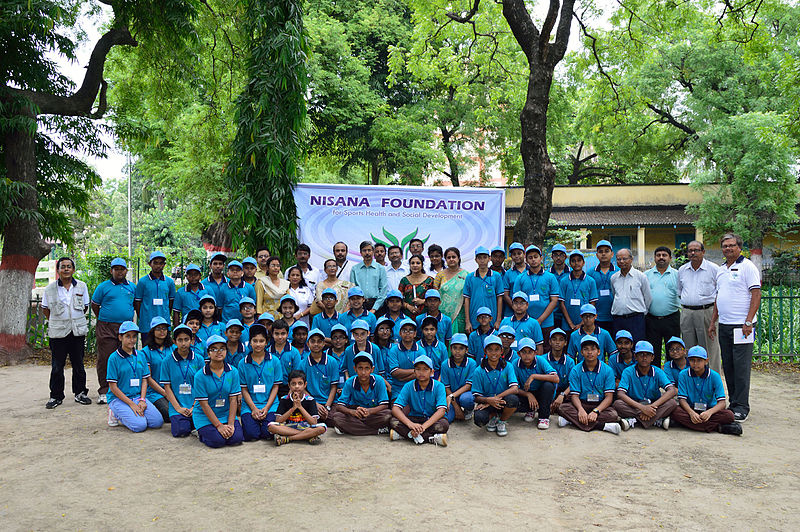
(599, 63)
(523, 28)
(667, 118)
(468, 16)
(562, 34)
(547, 27)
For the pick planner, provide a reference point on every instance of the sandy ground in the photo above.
(67, 470)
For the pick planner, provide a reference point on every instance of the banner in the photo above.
(462, 217)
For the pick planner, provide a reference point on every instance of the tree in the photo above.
(35, 166)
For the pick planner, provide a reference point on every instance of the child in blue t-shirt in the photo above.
(158, 347)
(456, 375)
(177, 379)
(419, 410)
(217, 392)
(260, 374)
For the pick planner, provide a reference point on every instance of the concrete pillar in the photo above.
(640, 250)
(584, 236)
(698, 234)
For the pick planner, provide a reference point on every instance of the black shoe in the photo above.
(52, 403)
(740, 417)
(731, 428)
(82, 398)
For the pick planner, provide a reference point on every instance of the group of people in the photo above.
(406, 347)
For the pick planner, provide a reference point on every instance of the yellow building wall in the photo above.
(605, 195)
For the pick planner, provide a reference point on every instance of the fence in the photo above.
(37, 327)
(778, 325)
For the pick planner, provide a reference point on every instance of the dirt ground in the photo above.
(65, 469)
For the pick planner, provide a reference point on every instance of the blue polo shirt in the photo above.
(444, 329)
(259, 379)
(320, 376)
(707, 388)
(423, 402)
(325, 323)
(640, 387)
(401, 358)
(155, 359)
(525, 328)
(155, 295)
(575, 293)
(199, 348)
(539, 366)
(563, 367)
(483, 292)
(354, 395)
(539, 287)
(559, 277)
(583, 382)
(128, 371)
(383, 355)
(673, 371)
(218, 391)
(289, 357)
(175, 371)
(348, 318)
(205, 331)
(115, 300)
(213, 287)
(607, 345)
(488, 382)
(618, 365)
(605, 296)
(664, 291)
(372, 350)
(245, 338)
(454, 376)
(437, 352)
(509, 281)
(230, 296)
(396, 326)
(186, 299)
(475, 343)
(372, 280)
(233, 358)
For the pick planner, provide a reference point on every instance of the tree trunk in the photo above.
(23, 248)
(375, 172)
(756, 253)
(447, 146)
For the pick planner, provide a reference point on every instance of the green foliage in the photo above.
(785, 268)
(390, 240)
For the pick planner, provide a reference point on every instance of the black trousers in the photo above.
(60, 348)
(659, 329)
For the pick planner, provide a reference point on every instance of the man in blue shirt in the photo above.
(370, 277)
(232, 292)
(418, 412)
(188, 296)
(363, 407)
(639, 397)
(577, 290)
(154, 295)
(663, 321)
(482, 288)
(112, 303)
(559, 268)
(602, 277)
(216, 279)
(543, 293)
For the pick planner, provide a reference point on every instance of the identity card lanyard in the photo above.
(702, 387)
(592, 381)
(575, 290)
(131, 364)
(260, 371)
(221, 382)
(536, 283)
(647, 386)
(486, 280)
(184, 374)
(494, 381)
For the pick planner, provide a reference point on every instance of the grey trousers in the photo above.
(737, 360)
(694, 331)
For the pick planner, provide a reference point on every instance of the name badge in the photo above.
(575, 302)
(259, 388)
(605, 292)
(700, 407)
(593, 397)
(135, 382)
(645, 402)
(534, 297)
(185, 389)
(219, 403)
(158, 302)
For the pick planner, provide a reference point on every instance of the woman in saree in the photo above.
(331, 281)
(414, 285)
(271, 288)
(450, 283)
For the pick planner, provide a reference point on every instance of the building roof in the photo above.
(614, 216)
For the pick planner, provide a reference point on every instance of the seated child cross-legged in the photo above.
(322, 373)
(297, 416)
(538, 382)
(418, 412)
(494, 385)
(261, 373)
(591, 385)
(363, 407)
(639, 392)
(563, 364)
(456, 375)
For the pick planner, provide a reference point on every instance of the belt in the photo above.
(631, 315)
(698, 307)
(663, 317)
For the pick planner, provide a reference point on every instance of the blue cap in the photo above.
(245, 300)
(559, 247)
(507, 329)
(500, 249)
(215, 339)
(588, 308)
(460, 339)
(575, 252)
(182, 328)
(119, 262)
(533, 248)
(257, 328)
(216, 256)
(355, 291)
(558, 330)
(394, 293)
(643, 346)
(515, 245)
(207, 297)
(406, 321)
(192, 267)
(484, 310)
(432, 293)
(521, 295)
(329, 292)
(156, 255)
(266, 316)
(339, 327)
(250, 260)
(234, 323)
(233, 263)
(359, 324)
(289, 297)
(697, 351)
(481, 251)
(675, 339)
(492, 339)
(589, 339)
(526, 342)
(158, 320)
(604, 243)
(299, 324)
(128, 326)
(363, 355)
(424, 359)
(315, 332)
(622, 333)
(384, 319)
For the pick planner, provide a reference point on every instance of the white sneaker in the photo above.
(112, 419)
(384, 430)
(664, 423)
(102, 400)
(613, 428)
(491, 426)
(563, 422)
(438, 439)
(338, 431)
(195, 433)
(394, 435)
(627, 423)
(530, 417)
(544, 424)
(469, 414)
(501, 428)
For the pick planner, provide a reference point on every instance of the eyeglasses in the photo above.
(216, 349)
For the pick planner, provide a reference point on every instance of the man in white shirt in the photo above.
(738, 298)
(343, 265)
(697, 287)
(310, 274)
(396, 269)
(632, 298)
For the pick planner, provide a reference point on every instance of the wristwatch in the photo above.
(749, 323)
(595, 410)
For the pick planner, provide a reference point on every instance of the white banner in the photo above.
(462, 217)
